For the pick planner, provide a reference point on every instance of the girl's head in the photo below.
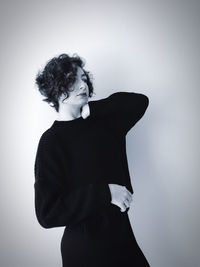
(63, 79)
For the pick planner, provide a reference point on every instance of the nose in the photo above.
(82, 86)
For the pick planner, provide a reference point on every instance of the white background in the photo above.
(150, 47)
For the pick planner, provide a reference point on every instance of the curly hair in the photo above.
(58, 76)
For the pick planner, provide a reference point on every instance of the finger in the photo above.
(129, 196)
(122, 210)
(129, 193)
(127, 203)
(123, 207)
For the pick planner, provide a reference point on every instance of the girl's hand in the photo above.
(85, 111)
(121, 196)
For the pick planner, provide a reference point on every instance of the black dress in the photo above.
(75, 162)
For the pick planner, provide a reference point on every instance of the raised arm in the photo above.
(121, 109)
(56, 205)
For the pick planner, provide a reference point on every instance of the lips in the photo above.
(82, 94)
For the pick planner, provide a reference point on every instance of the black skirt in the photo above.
(105, 240)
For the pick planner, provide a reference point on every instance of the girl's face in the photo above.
(79, 92)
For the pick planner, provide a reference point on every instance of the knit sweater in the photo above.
(77, 159)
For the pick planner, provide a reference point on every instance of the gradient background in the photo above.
(150, 47)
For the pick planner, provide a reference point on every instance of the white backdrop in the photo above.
(150, 47)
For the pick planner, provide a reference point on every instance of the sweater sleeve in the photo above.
(122, 110)
(56, 205)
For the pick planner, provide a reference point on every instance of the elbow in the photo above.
(47, 224)
(44, 219)
(145, 102)
(44, 222)
(48, 221)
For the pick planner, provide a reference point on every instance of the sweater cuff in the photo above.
(91, 108)
(104, 193)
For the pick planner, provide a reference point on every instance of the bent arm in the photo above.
(121, 109)
(56, 205)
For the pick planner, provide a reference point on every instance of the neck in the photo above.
(68, 112)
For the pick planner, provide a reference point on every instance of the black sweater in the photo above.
(77, 159)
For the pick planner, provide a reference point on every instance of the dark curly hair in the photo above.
(58, 76)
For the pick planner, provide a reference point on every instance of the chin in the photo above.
(82, 102)
(85, 100)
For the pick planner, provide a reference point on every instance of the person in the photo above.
(82, 180)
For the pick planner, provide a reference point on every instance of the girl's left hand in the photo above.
(85, 111)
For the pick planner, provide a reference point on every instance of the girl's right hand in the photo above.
(121, 196)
